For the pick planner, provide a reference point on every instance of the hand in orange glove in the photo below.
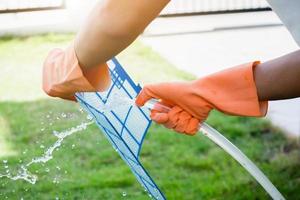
(63, 76)
(232, 91)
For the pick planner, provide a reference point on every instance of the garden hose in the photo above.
(232, 150)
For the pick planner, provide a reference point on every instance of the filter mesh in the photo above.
(124, 124)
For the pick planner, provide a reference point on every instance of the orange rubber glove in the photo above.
(63, 76)
(231, 91)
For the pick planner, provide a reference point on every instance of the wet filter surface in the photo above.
(124, 124)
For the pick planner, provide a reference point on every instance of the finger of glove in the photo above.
(157, 91)
(192, 127)
(145, 95)
(182, 123)
(159, 117)
(163, 106)
(173, 117)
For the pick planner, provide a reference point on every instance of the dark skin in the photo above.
(279, 78)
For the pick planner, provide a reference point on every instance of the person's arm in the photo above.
(243, 91)
(279, 78)
(112, 26)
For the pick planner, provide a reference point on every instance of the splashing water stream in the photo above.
(116, 99)
(25, 174)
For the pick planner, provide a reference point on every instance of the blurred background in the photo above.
(190, 39)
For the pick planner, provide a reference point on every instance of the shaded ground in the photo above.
(87, 167)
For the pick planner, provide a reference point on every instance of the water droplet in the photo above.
(4, 161)
(42, 129)
(63, 115)
(42, 146)
(115, 148)
(156, 192)
(56, 133)
(89, 117)
(55, 180)
(25, 151)
(124, 194)
(73, 146)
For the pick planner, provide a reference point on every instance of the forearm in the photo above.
(279, 78)
(112, 26)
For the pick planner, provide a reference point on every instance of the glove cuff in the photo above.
(63, 76)
(233, 91)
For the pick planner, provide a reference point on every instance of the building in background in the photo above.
(175, 6)
(41, 16)
(195, 7)
(13, 6)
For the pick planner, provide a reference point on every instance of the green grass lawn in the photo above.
(87, 167)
